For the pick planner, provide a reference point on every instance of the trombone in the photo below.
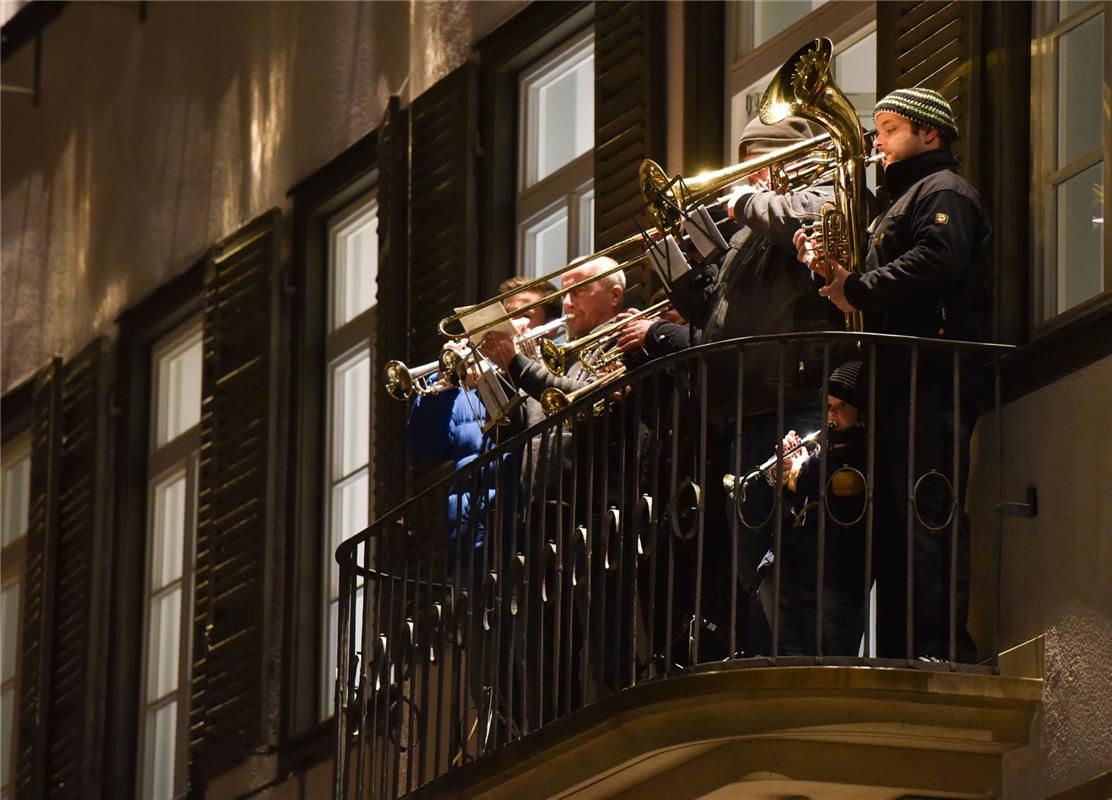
(446, 372)
(595, 350)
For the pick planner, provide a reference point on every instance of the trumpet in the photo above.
(596, 350)
(767, 470)
(403, 382)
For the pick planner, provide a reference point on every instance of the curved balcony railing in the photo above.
(602, 548)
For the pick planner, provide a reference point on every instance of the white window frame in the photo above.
(14, 559)
(343, 345)
(1047, 176)
(178, 456)
(571, 186)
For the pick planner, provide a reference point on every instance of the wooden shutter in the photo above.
(935, 45)
(80, 630)
(443, 244)
(37, 622)
(392, 315)
(629, 115)
(237, 495)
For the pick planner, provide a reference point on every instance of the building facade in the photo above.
(220, 221)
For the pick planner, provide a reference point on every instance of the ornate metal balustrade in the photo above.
(602, 549)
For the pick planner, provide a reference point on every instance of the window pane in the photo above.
(1068, 7)
(546, 243)
(1080, 237)
(349, 516)
(351, 414)
(168, 535)
(559, 111)
(161, 742)
(179, 390)
(1080, 81)
(355, 264)
(7, 702)
(165, 645)
(17, 498)
(331, 658)
(772, 16)
(9, 614)
(586, 224)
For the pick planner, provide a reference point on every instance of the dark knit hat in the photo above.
(925, 106)
(783, 133)
(848, 383)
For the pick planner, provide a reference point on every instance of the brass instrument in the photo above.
(403, 382)
(595, 350)
(555, 400)
(767, 469)
(803, 87)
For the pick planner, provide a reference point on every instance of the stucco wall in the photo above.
(1056, 571)
(156, 139)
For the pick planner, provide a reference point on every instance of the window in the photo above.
(761, 36)
(16, 492)
(171, 529)
(353, 269)
(555, 202)
(1071, 140)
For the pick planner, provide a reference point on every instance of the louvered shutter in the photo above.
(443, 242)
(236, 499)
(935, 45)
(392, 313)
(629, 113)
(77, 672)
(37, 622)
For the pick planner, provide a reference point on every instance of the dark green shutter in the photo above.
(37, 624)
(237, 493)
(77, 672)
(629, 113)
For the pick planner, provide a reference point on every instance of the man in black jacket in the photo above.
(923, 276)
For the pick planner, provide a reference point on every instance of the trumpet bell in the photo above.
(399, 381)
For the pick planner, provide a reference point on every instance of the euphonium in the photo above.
(803, 87)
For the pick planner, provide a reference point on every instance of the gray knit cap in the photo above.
(771, 137)
(924, 106)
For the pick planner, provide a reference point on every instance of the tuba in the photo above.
(803, 87)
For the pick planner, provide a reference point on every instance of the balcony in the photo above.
(579, 612)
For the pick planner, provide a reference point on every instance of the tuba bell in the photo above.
(803, 87)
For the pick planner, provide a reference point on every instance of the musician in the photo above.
(844, 540)
(923, 276)
(591, 305)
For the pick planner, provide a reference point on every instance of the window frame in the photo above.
(565, 187)
(844, 23)
(1046, 33)
(178, 455)
(351, 178)
(16, 438)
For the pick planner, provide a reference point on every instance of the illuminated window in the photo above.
(353, 267)
(16, 498)
(171, 534)
(1071, 137)
(555, 204)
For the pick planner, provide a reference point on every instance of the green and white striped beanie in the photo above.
(925, 106)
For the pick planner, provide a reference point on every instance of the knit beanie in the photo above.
(848, 384)
(771, 137)
(924, 106)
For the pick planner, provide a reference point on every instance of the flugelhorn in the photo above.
(595, 350)
(555, 400)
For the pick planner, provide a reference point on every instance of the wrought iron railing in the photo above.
(602, 548)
